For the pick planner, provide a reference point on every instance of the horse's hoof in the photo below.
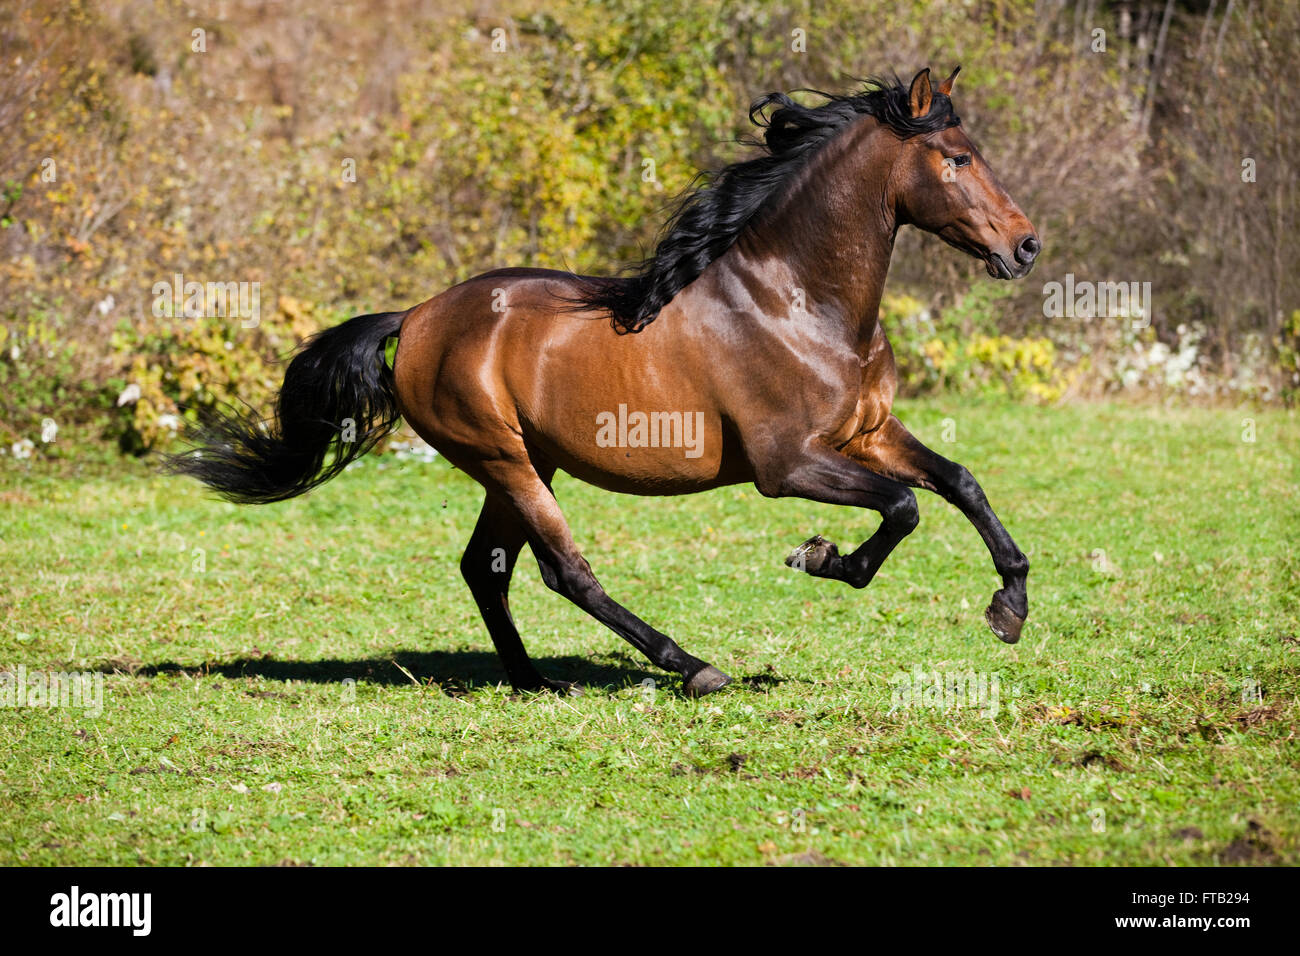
(814, 556)
(705, 681)
(1003, 621)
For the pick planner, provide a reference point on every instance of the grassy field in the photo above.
(309, 683)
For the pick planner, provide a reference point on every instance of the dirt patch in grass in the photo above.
(1258, 715)
(807, 858)
(1256, 845)
(1098, 717)
(1095, 758)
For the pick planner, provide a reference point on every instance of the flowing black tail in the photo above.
(337, 398)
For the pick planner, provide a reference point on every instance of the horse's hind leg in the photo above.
(895, 452)
(487, 565)
(566, 572)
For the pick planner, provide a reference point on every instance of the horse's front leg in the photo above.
(819, 473)
(893, 451)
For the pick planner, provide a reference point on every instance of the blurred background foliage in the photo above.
(354, 157)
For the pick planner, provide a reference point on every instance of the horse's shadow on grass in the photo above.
(453, 671)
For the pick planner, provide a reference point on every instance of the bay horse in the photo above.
(747, 348)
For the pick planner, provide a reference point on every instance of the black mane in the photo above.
(710, 217)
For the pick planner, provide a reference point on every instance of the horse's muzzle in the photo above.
(1026, 253)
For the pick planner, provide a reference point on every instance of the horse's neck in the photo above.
(828, 241)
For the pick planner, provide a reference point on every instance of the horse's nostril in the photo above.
(1028, 249)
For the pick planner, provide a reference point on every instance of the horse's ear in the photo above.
(920, 95)
(946, 86)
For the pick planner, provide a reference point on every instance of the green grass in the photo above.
(321, 689)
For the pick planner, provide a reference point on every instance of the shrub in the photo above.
(959, 348)
(182, 366)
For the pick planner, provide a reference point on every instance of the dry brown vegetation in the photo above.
(137, 148)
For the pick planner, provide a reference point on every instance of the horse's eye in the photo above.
(962, 160)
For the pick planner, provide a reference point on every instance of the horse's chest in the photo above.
(877, 380)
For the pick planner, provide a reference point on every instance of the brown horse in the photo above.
(758, 357)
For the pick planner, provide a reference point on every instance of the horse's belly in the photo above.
(642, 451)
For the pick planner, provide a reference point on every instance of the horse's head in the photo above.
(943, 185)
